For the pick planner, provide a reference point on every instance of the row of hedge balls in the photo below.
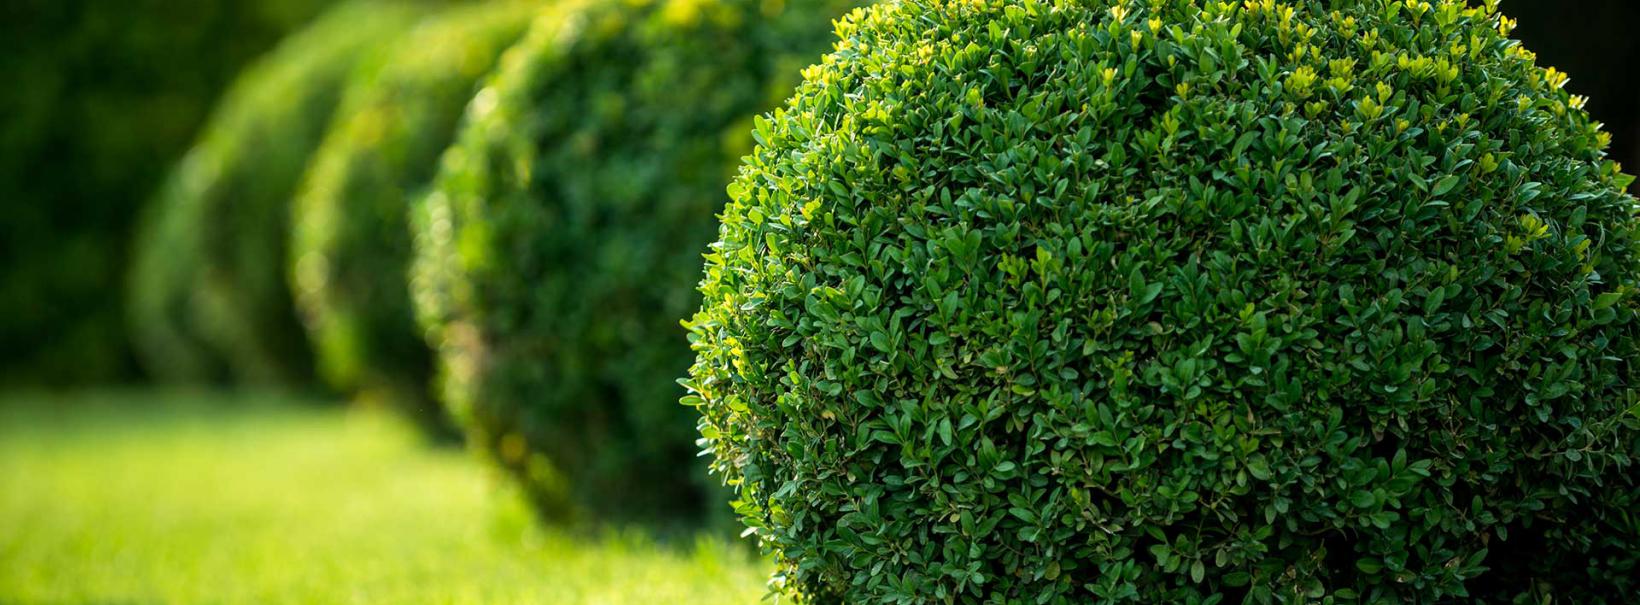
(208, 295)
(1015, 301)
(1047, 301)
(350, 246)
(311, 163)
(553, 320)
(561, 244)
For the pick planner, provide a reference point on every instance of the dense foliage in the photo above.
(99, 96)
(350, 251)
(208, 284)
(561, 245)
(1041, 301)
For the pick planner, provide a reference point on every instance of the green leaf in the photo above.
(1150, 293)
(1444, 185)
(881, 341)
(1259, 468)
(1363, 499)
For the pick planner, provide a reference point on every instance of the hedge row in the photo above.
(561, 243)
(1029, 301)
(1015, 301)
(208, 288)
(350, 248)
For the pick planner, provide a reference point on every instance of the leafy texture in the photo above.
(350, 251)
(208, 286)
(1032, 301)
(562, 242)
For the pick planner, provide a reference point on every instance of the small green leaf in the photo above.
(1259, 468)
(1363, 499)
(1444, 185)
(881, 342)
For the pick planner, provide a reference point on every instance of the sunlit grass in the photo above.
(122, 499)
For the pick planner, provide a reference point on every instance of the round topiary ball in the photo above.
(1032, 301)
(350, 248)
(208, 286)
(562, 243)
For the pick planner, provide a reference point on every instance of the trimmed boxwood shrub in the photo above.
(350, 251)
(208, 284)
(1029, 301)
(562, 242)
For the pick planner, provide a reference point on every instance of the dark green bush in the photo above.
(1032, 301)
(350, 251)
(562, 242)
(208, 283)
(99, 97)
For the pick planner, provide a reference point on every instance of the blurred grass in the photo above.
(121, 498)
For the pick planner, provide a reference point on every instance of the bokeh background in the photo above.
(101, 99)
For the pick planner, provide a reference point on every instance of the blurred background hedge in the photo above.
(209, 272)
(99, 98)
(350, 233)
(561, 245)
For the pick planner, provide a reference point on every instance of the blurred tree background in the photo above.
(102, 96)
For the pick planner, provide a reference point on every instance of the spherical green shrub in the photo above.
(350, 249)
(561, 245)
(1030, 301)
(208, 282)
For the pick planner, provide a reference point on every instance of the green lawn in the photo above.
(121, 499)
